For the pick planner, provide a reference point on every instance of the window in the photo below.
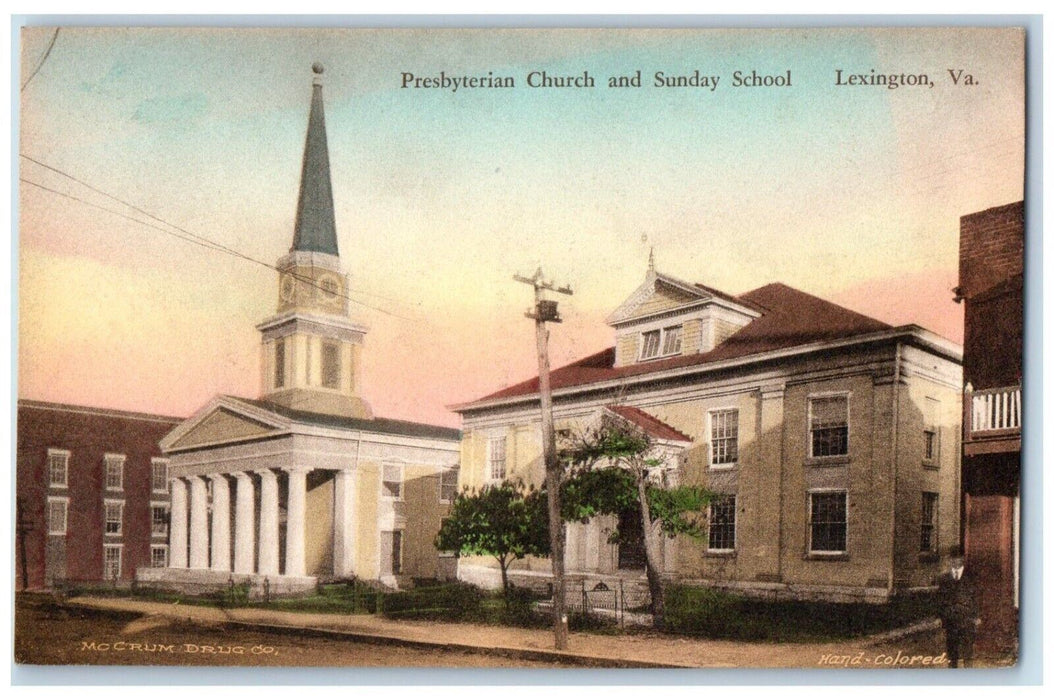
(111, 567)
(58, 468)
(331, 365)
(827, 522)
(159, 520)
(724, 437)
(114, 472)
(397, 552)
(722, 528)
(829, 426)
(671, 341)
(496, 458)
(931, 450)
(279, 363)
(114, 516)
(650, 345)
(158, 556)
(159, 475)
(392, 482)
(448, 485)
(666, 339)
(928, 530)
(57, 512)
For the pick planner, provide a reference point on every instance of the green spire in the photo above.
(316, 228)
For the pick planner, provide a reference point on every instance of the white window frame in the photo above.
(156, 462)
(119, 548)
(335, 346)
(660, 348)
(491, 441)
(935, 523)
(168, 510)
(454, 470)
(65, 501)
(107, 461)
(848, 425)
(931, 424)
(402, 480)
(827, 552)
(120, 522)
(159, 548)
(710, 438)
(735, 525)
(402, 549)
(278, 376)
(65, 455)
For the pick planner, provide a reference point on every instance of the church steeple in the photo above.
(316, 228)
(311, 348)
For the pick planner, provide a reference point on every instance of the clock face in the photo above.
(287, 288)
(329, 288)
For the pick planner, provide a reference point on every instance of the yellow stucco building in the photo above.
(305, 482)
(831, 438)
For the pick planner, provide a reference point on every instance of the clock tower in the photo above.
(311, 347)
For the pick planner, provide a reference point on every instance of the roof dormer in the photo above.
(666, 317)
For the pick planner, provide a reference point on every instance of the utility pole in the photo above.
(545, 311)
(22, 528)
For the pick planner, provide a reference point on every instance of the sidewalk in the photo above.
(584, 649)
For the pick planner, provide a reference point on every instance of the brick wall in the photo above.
(991, 247)
(991, 264)
(88, 434)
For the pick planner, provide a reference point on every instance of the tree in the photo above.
(506, 521)
(615, 467)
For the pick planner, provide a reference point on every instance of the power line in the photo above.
(47, 52)
(203, 239)
(185, 235)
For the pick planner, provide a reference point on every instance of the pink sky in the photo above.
(854, 196)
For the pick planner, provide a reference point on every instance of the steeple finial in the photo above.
(316, 228)
(651, 259)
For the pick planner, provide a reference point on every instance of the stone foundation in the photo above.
(197, 581)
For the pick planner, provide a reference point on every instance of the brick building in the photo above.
(92, 493)
(991, 267)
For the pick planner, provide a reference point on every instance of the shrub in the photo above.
(450, 602)
(719, 615)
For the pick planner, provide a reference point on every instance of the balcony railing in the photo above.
(996, 409)
(993, 419)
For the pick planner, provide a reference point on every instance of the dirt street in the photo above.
(124, 631)
(48, 634)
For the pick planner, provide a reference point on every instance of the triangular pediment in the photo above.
(659, 293)
(223, 421)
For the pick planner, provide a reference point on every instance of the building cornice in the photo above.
(91, 410)
(332, 321)
(913, 334)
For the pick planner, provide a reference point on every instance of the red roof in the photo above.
(789, 318)
(649, 423)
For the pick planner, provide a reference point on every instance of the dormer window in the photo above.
(660, 343)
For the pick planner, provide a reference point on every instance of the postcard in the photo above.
(515, 347)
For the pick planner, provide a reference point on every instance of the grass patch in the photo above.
(719, 615)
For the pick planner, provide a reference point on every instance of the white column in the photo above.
(221, 523)
(177, 528)
(344, 494)
(244, 527)
(268, 523)
(296, 505)
(199, 523)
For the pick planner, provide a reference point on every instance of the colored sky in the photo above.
(852, 194)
